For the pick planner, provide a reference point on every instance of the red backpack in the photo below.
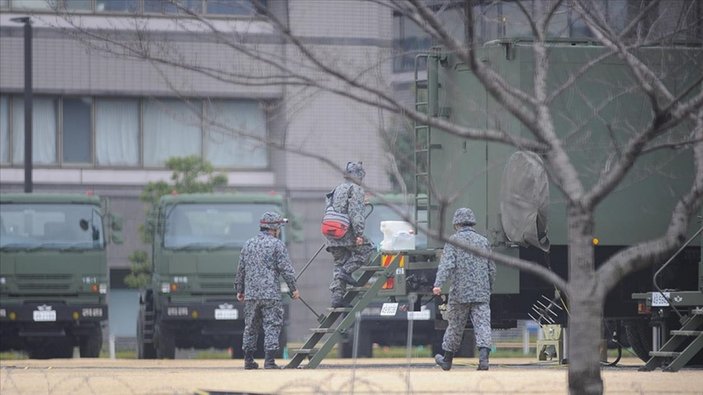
(334, 224)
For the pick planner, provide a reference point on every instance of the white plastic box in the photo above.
(397, 236)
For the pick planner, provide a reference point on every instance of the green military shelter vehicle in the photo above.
(53, 273)
(191, 301)
(519, 208)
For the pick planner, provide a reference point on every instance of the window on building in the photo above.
(34, 4)
(78, 5)
(135, 132)
(117, 6)
(233, 7)
(235, 133)
(173, 7)
(4, 3)
(43, 130)
(117, 132)
(76, 136)
(4, 129)
(171, 128)
(408, 40)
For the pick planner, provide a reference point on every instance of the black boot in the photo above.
(347, 278)
(483, 358)
(338, 301)
(269, 361)
(249, 362)
(445, 362)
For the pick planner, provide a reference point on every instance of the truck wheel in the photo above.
(639, 338)
(90, 345)
(60, 348)
(38, 351)
(468, 345)
(166, 347)
(437, 338)
(364, 349)
(235, 344)
(144, 350)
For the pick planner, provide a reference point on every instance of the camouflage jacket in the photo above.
(262, 260)
(472, 276)
(348, 199)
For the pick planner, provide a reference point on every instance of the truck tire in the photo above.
(166, 345)
(466, 348)
(364, 349)
(89, 345)
(639, 337)
(235, 345)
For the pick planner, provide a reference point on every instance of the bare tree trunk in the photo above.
(586, 307)
(585, 318)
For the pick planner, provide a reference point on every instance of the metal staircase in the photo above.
(683, 345)
(359, 297)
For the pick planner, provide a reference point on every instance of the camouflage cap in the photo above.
(354, 170)
(272, 220)
(464, 216)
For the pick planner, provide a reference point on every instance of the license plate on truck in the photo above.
(44, 316)
(226, 314)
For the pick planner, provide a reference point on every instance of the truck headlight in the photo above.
(3, 280)
(165, 288)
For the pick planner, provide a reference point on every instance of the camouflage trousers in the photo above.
(458, 313)
(257, 313)
(347, 259)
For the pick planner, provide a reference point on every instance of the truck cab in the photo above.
(191, 301)
(53, 276)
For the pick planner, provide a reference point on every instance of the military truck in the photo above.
(191, 301)
(53, 275)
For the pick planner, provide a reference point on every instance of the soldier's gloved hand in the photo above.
(295, 294)
(240, 296)
(437, 291)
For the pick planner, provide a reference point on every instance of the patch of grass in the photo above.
(12, 355)
(400, 352)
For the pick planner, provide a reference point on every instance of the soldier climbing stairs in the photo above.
(358, 298)
(683, 345)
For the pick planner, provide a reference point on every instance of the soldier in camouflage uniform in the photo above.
(263, 258)
(470, 292)
(354, 249)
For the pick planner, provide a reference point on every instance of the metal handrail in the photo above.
(654, 279)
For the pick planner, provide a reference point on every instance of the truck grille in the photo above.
(43, 287)
(44, 282)
(43, 277)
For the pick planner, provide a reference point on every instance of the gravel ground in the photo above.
(334, 376)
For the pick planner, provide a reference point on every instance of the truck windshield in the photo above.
(210, 226)
(50, 226)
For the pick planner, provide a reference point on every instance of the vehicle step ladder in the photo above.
(359, 297)
(422, 143)
(148, 329)
(683, 345)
